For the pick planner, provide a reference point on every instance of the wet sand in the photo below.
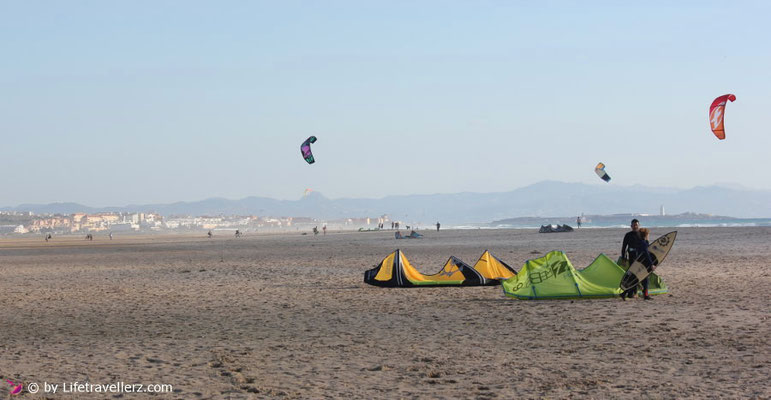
(288, 316)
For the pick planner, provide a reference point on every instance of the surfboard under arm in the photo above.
(658, 251)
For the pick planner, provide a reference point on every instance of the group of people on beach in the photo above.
(634, 247)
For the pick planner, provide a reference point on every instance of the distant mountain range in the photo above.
(548, 198)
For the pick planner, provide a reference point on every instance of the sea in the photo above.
(656, 222)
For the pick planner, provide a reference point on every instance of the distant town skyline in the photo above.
(115, 103)
(118, 222)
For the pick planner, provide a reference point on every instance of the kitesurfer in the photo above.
(647, 259)
(630, 250)
(631, 242)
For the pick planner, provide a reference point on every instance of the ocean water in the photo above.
(657, 222)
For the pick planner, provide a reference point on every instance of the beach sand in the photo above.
(288, 316)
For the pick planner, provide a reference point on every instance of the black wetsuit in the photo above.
(631, 248)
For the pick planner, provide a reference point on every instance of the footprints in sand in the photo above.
(227, 365)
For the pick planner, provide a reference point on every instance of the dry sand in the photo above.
(288, 316)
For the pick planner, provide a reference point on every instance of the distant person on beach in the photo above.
(238, 233)
(110, 235)
(315, 230)
(578, 221)
(209, 234)
(438, 225)
(324, 228)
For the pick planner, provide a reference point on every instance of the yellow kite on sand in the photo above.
(396, 271)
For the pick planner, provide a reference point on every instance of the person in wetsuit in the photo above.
(647, 259)
(630, 250)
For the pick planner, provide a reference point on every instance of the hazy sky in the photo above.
(111, 103)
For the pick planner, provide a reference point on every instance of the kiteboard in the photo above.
(638, 271)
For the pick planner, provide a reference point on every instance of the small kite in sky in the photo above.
(716, 114)
(600, 171)
(305, 149)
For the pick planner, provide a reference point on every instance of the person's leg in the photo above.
(645, 288)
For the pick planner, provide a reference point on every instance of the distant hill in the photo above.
(546, 198)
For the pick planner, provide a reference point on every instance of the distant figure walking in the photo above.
(89, 237)
(48, 236)
(324, 228)
(438, 225)
(578, 221)
(392, 225)
(110, 235)
(238, 233)
(315, 230)
(209, 234)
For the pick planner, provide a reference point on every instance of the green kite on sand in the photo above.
(554, 277)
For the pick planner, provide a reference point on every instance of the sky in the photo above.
(135, 102)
